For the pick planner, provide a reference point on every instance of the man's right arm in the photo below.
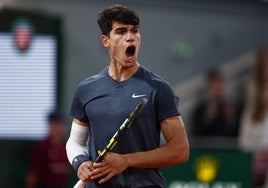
(77, 149)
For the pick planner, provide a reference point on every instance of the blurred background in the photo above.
(201, 47)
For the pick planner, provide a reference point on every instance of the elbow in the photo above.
(182, 155)
(185, 156)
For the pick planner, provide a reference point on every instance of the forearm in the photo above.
(174, 151)
(76, 146)
(160, 157)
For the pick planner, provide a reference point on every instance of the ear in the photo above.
(105, 41)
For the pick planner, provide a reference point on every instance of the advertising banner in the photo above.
(210, 168)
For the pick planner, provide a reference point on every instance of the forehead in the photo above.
(117, 25)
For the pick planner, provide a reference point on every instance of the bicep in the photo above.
(176, 139)
(173, 131)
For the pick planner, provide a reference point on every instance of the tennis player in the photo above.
(103, 101)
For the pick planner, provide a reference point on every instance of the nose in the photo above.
(130, 36)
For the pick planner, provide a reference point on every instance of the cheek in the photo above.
(138, 44)
(116, 51)
(116, 47)
(138, 39)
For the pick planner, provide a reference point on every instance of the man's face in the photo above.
(123, 43)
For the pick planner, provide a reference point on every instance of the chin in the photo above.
(130, 63)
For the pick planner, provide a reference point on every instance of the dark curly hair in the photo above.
(116, 13)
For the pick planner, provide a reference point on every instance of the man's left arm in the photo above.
(174, 151)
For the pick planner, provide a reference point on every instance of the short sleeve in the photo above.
(77, 108)
(167, 102)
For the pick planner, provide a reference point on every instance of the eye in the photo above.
(135, 30)
(120, 31)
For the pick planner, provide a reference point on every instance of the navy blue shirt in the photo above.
(105, 103)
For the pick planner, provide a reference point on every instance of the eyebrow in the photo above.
(125, 27)
(120, 28)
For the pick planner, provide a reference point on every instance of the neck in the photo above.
(121, 73)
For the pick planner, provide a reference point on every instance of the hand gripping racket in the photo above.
(118, 134)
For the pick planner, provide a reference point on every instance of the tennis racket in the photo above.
(118, 134)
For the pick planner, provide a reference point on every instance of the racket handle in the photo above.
(80, 184)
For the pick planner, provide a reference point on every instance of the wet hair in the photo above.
(116, 13)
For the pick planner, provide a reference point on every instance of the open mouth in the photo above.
(130, 51)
